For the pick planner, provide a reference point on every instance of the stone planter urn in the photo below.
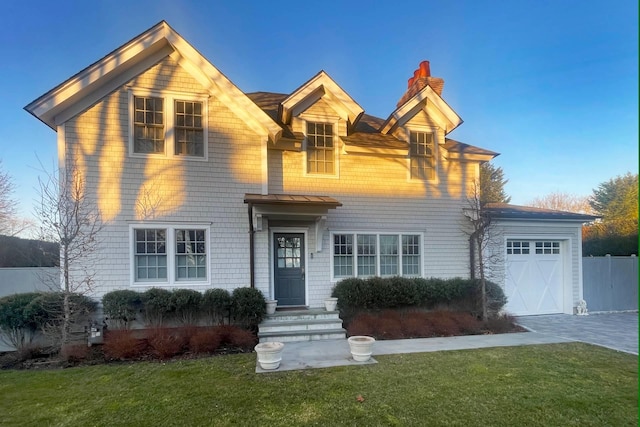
(269, 355)
(330, 304)
(361, 347)
(271, 306)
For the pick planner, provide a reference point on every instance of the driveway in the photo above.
(618, 331)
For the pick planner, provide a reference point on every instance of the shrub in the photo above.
(186, 305)
(122, 344)
(205, 340)
(157, 306)
(215, 305)
(121, 307)
(363, 324)
(16, 324)
(74, 353)
(376, 293)
(441, 324)
(234, 336)
(47, 311)
(389, 325)
(500, 324)
(248, 307)
(165, 342)
(415, 325)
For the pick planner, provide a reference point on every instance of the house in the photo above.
(201, 185)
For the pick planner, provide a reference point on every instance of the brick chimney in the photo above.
(421, 78)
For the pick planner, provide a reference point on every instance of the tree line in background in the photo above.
(615, 202)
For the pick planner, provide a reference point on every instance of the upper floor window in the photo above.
(422, 155)
(320, 148)
(168, 124)
(148, 123)
(189, 130)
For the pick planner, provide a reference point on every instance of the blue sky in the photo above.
(551, 85)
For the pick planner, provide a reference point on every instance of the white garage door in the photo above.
(534, 282)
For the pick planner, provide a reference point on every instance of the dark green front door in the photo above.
(289, 268)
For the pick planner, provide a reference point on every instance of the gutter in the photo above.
(252, 273)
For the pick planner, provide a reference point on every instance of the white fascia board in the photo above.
(220, 86)
(426, 96)
(334, 94)
(43, 106)
(123, 64)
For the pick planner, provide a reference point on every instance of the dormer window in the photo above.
(320, 148)
(422, 155)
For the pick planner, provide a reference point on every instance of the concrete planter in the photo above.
(361, 347)
(271, 306)
(269, 355)
(330, 304)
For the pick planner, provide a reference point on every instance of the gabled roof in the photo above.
(105, 75)
(460, 150)
(320, 86)
(507, 211)
(429, 101)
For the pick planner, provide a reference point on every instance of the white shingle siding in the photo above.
(190, 191)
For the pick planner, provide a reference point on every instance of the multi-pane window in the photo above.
(343, 255)
(422, 155)
(365, 255)
(411, 255)
(517, 248)
(189, 130)
(191, 254)
(388, 255)
(169, 254)
(148, 125)
(151, 255)
(547, 248)
(320, 148)
(167, 124)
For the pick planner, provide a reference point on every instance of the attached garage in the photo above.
(541, 266)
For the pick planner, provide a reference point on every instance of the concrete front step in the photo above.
(295, 325)
(301, 325)
(292, 336)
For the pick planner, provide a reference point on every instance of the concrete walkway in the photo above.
(327, 353)
(617, 331)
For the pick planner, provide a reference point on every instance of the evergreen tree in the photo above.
(492, 182)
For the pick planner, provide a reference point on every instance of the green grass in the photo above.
(547, 385)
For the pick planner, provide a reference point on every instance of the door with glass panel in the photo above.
(289, 267)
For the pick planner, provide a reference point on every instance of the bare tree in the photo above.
(71, 219)
(10, 223)
(483, 239)
(561, 201)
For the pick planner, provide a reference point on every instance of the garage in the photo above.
(540, 262)
(535, 277)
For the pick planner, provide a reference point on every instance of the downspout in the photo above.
(472, 256)
(251, 247)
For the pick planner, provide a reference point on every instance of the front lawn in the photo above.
(558, 384)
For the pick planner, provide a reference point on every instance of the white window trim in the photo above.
(170, 252)
(436, 151)
(336, 148)
(169, 98)
(377, 234)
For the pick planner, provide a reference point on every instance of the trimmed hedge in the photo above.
(16, 324)
(377, 293)
(121, 307)
(246, 306)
